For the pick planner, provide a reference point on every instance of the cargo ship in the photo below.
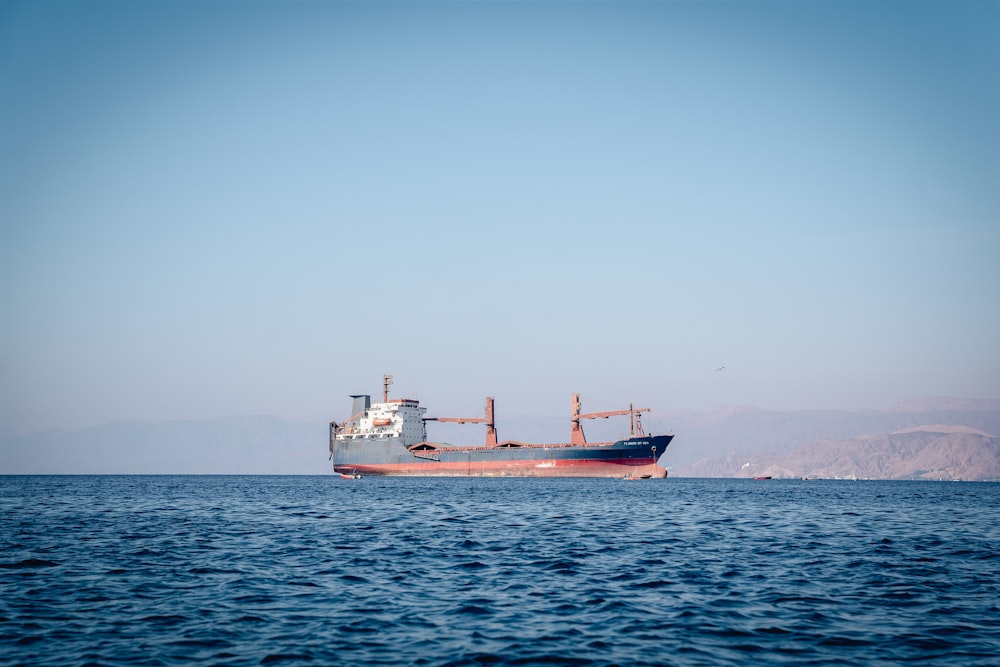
(390, 438)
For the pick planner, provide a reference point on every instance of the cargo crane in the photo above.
(576, 430)
(491, 429)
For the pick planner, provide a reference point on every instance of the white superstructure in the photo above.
(399, 418)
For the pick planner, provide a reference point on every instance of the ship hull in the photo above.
(387, 456)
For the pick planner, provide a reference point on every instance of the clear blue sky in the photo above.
(225, 208)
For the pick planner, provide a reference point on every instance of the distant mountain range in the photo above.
(926, 439)
(927, 452)
(230, 445)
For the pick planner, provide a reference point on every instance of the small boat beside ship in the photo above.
(390, 438)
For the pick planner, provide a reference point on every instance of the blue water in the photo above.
(164, 570)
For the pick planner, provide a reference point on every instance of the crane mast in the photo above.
(576, 430)
(577, 436)
(491, 429)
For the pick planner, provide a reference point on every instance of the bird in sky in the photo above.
(720, 368)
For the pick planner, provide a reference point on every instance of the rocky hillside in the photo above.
(935, 452)
(733, 441)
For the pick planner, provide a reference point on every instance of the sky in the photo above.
(238, 208)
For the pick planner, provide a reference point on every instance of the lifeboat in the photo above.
(381, 422)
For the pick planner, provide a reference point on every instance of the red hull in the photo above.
(513, 469)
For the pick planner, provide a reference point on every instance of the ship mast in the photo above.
(386, 381)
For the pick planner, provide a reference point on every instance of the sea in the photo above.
(299, 570)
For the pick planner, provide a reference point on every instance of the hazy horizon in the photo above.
(608, 429)
(240, 208)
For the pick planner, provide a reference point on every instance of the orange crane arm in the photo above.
(491, 429)
(613, 413)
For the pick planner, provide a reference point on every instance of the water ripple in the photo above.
(312, 570)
